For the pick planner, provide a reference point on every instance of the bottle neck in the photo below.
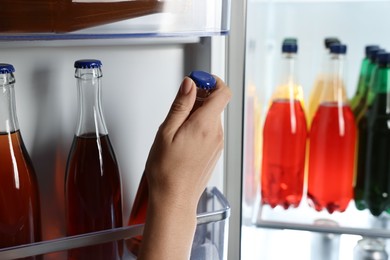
(362, 88)
(90, 114)
(288, 69)
(381, 89)
(335, 90)
(8, 118)
(381, 81)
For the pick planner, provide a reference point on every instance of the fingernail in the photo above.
(186, 86)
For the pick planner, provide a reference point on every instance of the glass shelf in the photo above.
(305, 218)
(166, 18)
(210, 239)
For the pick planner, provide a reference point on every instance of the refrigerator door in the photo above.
(144, 61)
(258, 28)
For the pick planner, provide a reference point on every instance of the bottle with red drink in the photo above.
(332, 141)
(318, 86)
(19, 194)
(284, 137)
(93, 199)
(205, 83)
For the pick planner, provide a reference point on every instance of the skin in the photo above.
(180, 163)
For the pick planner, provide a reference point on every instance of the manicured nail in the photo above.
(186, 86)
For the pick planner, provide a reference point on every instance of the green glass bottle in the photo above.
(377, 186)
(361, 121)
(358, 100)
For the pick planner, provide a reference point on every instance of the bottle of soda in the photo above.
(359, 99)
(377, 177)
(318, 86)
(70, 15)
(93, 198)
(284, 138)
(19, 195)
(332, 141)
(205, 83)
(361, 122)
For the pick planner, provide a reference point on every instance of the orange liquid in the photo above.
(19, 198)
(93, 194)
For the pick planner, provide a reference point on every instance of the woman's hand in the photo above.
(182, 158)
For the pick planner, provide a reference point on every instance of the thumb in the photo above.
(181, 106)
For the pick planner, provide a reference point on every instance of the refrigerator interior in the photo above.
(295, 233)
(144, 62)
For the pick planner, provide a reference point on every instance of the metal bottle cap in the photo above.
(6, 68)
(87, 64)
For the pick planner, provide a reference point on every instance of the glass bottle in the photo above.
(284, 138)
(332, 141)
(19, 195)
(318, 86)
(358, 100)
(361, 122)
(205, 84)
(70, 15)
(92, 183)
(377, 177)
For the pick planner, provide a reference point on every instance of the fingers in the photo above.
(214, 105)
(181, 106)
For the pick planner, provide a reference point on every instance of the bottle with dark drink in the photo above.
(93, 199)
(19, 194)
(361, 122)
(284, 137)
(332, 141)
(205, 83)
(377, 176)
(359, 99)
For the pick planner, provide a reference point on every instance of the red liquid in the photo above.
(331, 159)
(284, 144)
(19, 198)
(138, 214)
(93, 194)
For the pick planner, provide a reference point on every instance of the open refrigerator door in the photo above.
(296, 232)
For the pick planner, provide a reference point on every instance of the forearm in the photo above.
(168, 232)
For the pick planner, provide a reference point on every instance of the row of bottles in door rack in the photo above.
(93, 196)
(342, 144)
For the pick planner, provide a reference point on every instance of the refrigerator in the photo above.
(144, 60)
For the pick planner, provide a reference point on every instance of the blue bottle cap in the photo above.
(374, 53)
(6, 68)
(330, 40)
(370, 48)
(383, 58)
(289, 47)
(203, 79)
(87, 64)
(338, 48)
